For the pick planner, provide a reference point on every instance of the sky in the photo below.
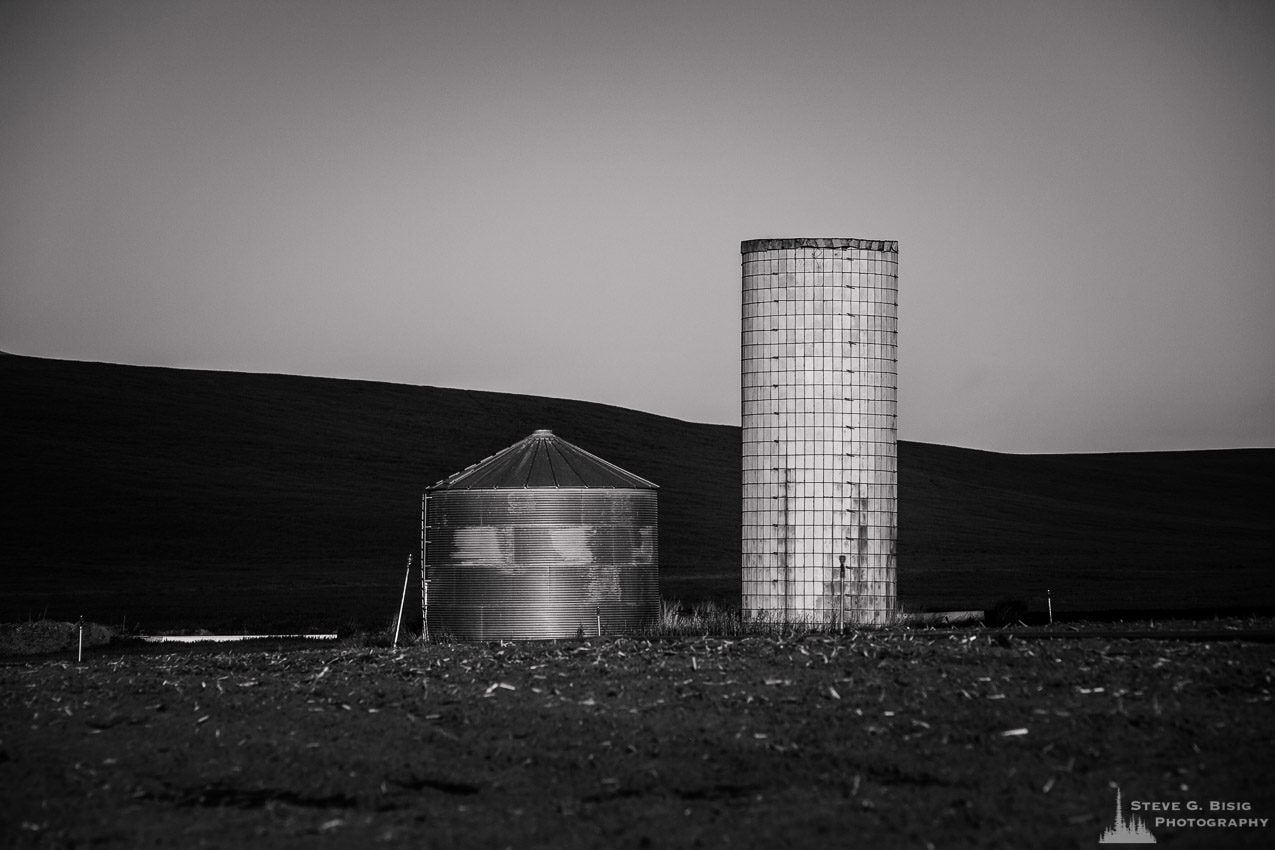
(548, 198)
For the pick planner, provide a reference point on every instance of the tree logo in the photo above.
(1126, 830)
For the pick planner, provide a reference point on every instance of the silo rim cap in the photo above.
(749, 246)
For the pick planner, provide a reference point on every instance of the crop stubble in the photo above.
(883, 739)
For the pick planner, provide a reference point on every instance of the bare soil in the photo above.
(890, 739)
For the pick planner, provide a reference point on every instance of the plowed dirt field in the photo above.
(891, 739)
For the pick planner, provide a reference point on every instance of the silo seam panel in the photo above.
(819, 417)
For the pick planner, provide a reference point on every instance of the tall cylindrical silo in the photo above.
(820, 474)
(541, 540)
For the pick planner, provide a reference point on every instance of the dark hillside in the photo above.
(1162, 531)
(228, 500)
(189, 496)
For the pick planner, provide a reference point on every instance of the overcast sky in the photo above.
(548, 198)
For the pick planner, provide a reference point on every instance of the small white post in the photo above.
(399, 624)
(1049, 602)
(598, 611)
(79, 655)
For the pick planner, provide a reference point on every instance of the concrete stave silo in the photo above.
(819, 416)
(540, 541)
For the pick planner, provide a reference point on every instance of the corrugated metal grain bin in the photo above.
(539, 541)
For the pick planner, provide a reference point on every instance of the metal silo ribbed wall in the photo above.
(542, 563)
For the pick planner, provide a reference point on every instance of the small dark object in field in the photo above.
(1005, 612)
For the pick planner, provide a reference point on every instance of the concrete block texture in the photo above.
(819, 384)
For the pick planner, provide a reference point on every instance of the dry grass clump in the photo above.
(702, 618)
(709, 619)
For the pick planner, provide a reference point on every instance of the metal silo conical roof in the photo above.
(540, 541)
(543, 460)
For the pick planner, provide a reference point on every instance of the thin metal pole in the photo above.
(403, 601)
(1049, 601)
(79, 655)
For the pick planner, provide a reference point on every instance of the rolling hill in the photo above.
(178, 498)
